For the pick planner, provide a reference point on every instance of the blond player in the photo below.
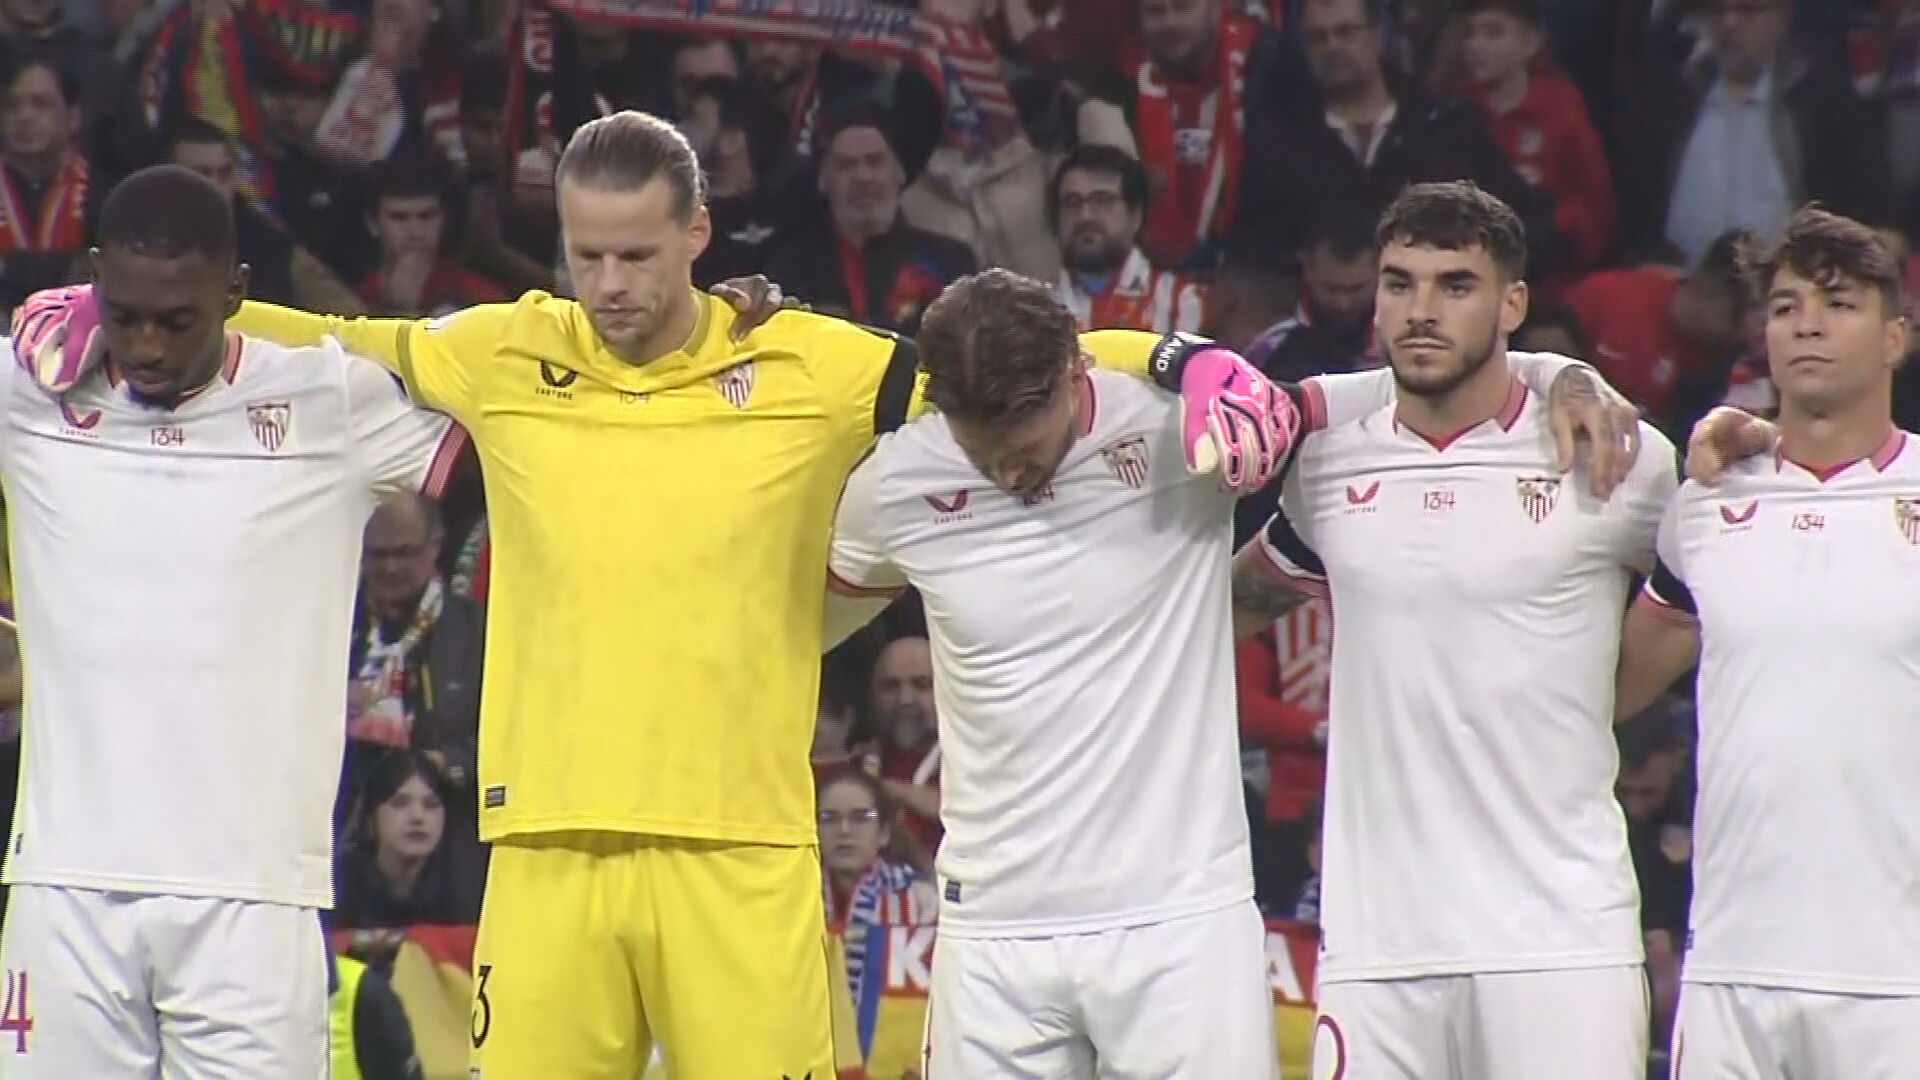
(1479, 911)
(1794, 583)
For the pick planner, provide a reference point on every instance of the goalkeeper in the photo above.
(660, 499)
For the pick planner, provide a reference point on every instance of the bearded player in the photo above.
(1479, 913)
(660, 498)
(1097, 914)
(1799, 573)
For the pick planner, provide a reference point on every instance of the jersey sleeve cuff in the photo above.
(1665, 590)
(1288, 572)
(848, 583)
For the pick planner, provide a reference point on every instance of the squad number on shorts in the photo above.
(16, 1015)
(482, 1008)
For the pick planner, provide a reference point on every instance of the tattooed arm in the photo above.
(1262, 592)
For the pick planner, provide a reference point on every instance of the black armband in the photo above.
(1666, 587)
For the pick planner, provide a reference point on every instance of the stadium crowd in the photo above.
(1205, 165)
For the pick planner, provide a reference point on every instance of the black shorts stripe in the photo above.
(895, 395)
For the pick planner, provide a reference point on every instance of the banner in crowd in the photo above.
(893, 1011)
(959, 60)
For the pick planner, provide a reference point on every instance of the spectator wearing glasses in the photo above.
(416, 654)
(865, 885)
(1098, 202)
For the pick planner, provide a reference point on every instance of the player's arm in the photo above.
(398, 447)
(1660, 637)
(1277, 570)
(861, 579)
(437, 359)
(1659, 642)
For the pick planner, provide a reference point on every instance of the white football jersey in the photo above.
(1807, 826)
(184, 583)
(1477, 599)
(1083, 669)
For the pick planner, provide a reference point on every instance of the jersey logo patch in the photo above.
(1362, 496)
(1127, 460)
(951, 508)
(735, 384)
(270, 421)
(1538, 496)
(79, 423)
(1906, 514)
(1741, 516)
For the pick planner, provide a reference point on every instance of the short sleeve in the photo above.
(867, 376)
(399, 447)
(1332, 400)
(1666, 586)
(858, 563)
(1286, 543)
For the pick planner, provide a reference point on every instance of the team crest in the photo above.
(1127, 460)
(1538, 494)
(735, 384)
(1906, 514)
(270, 421)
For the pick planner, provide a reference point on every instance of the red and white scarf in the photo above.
(61, 224)
(1194, 190)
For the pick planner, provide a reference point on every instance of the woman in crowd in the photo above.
(400, 866)
(866, 888)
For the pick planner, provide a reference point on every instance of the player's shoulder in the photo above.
(808, 335)
(1121, 401)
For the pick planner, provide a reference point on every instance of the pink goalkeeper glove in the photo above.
(56, 336)
(1234, 421)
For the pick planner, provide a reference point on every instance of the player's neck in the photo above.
(1440, 417)
(1849, 434)
(675, 333)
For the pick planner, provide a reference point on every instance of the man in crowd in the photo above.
(906, 716)
(865, 262)
(416, 658)
(1791, 583)
(1097, 203)
(47, 196)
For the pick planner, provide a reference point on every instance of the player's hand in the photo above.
(1234, 421)
(1580, 405)
(1722, 437)
(754, 300)
(56, 336)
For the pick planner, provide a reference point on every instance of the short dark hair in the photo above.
(1531, 12)
(1456, 215)
(1724, 262)
(628, 149)
(167, 212)
(1827, 249)
(411, 174)
(1553, 315)
(17, 62)
(994, 347)
(190, 130)
(1344, 234)
(1104, 160)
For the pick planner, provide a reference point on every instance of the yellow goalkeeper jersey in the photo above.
(659, 555)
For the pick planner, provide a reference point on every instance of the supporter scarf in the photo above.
(205, 71)
(61, 224)
(385, 719)
(961, 61)
(865, 912)
(1194, 191)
